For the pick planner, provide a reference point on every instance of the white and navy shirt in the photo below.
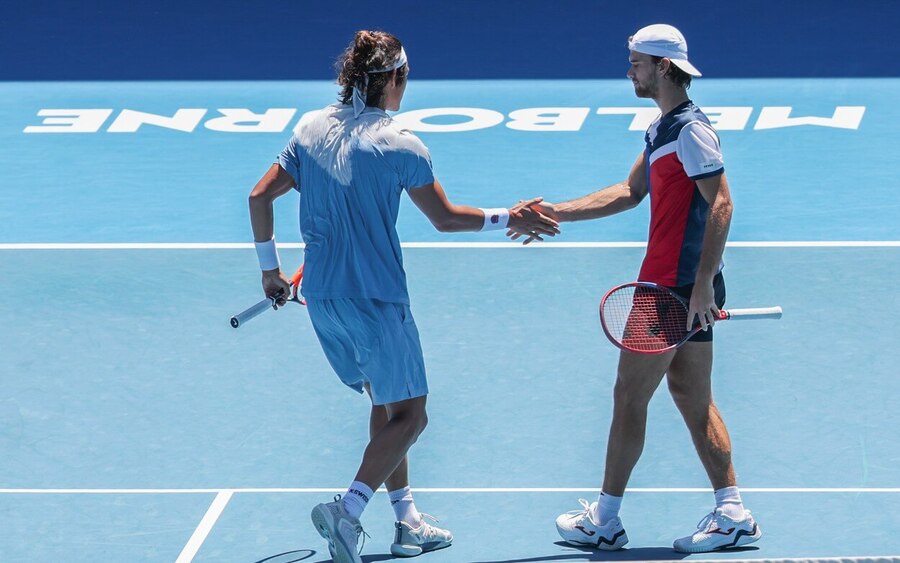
(682, 147)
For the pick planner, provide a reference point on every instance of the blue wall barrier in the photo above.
(283, 39)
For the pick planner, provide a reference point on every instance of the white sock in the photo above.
(729, 500)
(606, 508)
(404, 507)
(356, 498)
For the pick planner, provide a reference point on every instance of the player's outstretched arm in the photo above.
(603, 203)
(450, 218)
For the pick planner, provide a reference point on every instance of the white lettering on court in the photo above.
(548, 119)
(130, 121)
(643, 117)
(733, 118)
(844, 117)
(241, 120)
(70, 121)
(478, 118)
(430, 120)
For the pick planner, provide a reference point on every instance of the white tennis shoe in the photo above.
(718, 531)
(409, 541)
(578, 528)
(340, 529)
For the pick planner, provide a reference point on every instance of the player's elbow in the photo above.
(634, 195)
(447, 223)
(445, 226)
(724, 208)
(259, 199)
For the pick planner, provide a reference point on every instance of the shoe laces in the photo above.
(428, 528)
(425, 515)
(585, 508)
(359, 531)
(707, 521)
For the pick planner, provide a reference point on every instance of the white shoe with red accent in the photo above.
(579, 528)
(718, 531)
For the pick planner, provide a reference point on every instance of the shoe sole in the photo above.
(617, 543)
(399, 550)
(741, 540)
(322, 520)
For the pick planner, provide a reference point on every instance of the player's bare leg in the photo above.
(638, 377)
(729, 524)
(598, 524)
(400, 477)
(413, 535)
(388, 446)
(689, 379)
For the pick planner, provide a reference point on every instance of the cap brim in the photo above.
(684, 65)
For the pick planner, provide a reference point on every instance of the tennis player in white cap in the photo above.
(682, 169)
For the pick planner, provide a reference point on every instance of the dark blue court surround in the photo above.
(447, 39)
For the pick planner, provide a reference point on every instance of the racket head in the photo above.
(644, 317)
(296, 280)
(297, 277)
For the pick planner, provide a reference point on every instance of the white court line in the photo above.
(209, 520)
(786, 490)
(510, 245)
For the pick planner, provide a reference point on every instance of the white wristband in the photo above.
(268, 255)
(495, 219)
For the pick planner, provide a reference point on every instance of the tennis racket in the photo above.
(270, 302)
(648, 318)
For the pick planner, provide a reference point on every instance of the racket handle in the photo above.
(251, 312)
(758, 313)
(268, 302)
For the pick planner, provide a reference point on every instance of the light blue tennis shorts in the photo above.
(374, 342)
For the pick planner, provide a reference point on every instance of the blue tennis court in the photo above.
(136, 425)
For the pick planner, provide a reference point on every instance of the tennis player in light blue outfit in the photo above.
(352, 171)
(351, 164)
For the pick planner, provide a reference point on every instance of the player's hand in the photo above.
(702, 306)
(274, 283)
(530, 218)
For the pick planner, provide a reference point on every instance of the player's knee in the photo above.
(423, 422)
(415, 420)
(689, 399)
(630, 394)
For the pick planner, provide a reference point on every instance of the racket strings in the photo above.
(644, 318)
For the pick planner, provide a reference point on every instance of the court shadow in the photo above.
(634, 554)
(290, 556)
(366, 559)
(587, 554)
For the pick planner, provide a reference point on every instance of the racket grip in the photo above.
(251, 312)
(758, 313)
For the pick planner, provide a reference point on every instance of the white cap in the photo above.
(661, 40)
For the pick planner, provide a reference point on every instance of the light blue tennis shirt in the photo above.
(350, 173)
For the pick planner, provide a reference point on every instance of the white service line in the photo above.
(508, 245)
(328, 490)
(209, 520)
